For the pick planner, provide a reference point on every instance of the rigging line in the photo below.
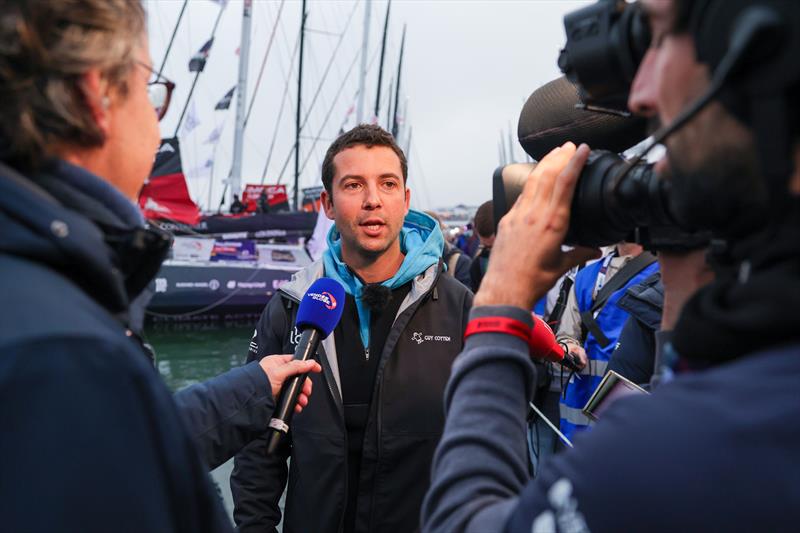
(347, 75)
(329, 65)
(323, 32)
(330, 111)
(264, 63)
(284, 99)
(328, 115)
(172, 39)
(197, 75)
(336, 16)
(424, 181)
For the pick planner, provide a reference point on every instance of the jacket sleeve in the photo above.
(480, 465)
(92, 440)
(227, 412)
(258, 480)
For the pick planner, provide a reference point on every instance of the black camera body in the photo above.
(751, 49)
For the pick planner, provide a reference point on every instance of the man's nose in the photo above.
(372, 198)
(642, 99)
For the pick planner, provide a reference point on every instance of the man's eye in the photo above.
(390, 184)
(352, 186)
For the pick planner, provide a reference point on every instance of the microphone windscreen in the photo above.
(543, 343)
(322, 305)
(549, 118)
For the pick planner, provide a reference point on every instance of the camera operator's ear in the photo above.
(551, 117)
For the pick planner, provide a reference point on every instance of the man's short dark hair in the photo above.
(368, 135)
(484, 219)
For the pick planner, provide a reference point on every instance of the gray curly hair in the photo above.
(45, 48)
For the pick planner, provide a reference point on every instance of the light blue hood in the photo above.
(421, 241)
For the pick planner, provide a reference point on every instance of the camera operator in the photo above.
(716, 448)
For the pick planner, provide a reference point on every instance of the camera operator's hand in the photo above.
(526, 257)
(682, 274)
(279, 368)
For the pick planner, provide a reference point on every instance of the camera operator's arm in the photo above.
(480, 466)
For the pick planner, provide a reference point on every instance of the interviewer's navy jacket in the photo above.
(90, 437)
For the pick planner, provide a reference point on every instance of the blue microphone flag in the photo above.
(321, 306)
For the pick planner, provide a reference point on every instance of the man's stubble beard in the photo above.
(714, 174)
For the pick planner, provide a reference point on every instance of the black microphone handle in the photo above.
(284, 409)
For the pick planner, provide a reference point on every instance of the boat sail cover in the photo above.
(165, 195)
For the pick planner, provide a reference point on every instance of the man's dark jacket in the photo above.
(634, 356)
(403, 429)
(92, 438)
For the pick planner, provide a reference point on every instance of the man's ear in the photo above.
(327, 204)
(95, 94)
(408, 199)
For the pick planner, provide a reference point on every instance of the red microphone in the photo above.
(543, 345)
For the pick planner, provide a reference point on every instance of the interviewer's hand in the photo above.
(526, 257)
(279, 368)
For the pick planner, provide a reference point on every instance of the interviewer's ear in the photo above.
(95, 94)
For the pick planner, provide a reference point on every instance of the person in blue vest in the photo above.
(590, 328)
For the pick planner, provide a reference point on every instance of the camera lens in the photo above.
(605, 209)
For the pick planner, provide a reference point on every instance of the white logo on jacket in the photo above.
(419, 338)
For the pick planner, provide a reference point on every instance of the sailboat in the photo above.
(229, 265)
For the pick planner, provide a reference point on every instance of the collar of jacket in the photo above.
(302, 280)
(79, 225)
(422, 243)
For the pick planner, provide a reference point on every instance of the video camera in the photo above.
(619, 200)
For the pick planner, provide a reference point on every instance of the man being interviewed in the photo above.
(361, 452)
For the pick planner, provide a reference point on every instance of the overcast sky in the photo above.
(468, 67)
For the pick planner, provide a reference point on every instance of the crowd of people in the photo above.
(427, 407)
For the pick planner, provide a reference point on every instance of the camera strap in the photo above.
(623, 276)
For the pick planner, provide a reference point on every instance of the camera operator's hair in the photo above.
(368, 135)
(484, 219)
(45, 48)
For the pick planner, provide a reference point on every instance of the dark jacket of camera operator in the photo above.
(717, 447)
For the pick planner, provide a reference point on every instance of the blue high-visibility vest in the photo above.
(610, 320)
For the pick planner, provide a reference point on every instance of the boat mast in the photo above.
(395, 127)
(362, 79)
(172, 38)
(235, 179)
(297, 114)
(383, 54)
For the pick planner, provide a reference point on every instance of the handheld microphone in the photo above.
(543, 345)
(319, 312)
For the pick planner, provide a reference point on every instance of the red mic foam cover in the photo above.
(543, 344)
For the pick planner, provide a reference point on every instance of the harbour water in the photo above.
(188, 353)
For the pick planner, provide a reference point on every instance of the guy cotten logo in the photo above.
(419, 338)
(324, 297)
